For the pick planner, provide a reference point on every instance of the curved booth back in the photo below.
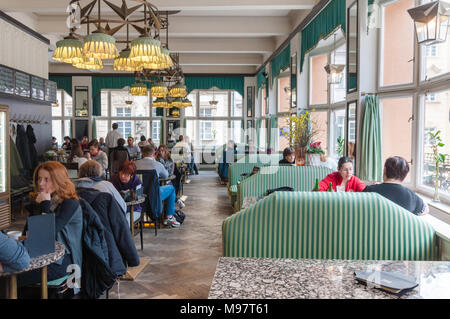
(315, 225)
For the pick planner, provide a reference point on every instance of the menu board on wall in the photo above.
(37, 88)
(6, 80)
(50, 91)
(23, 84)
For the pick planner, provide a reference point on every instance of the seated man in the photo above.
(288, 156)
(133, 150)
(148, 162)
(13, 256)
(395, 171)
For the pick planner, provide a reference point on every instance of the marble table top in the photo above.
(41, 261)
(266, 278)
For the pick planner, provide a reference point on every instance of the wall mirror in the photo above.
(351, 132)
(294, 81)
(81, 101)
(81, 129)
(352, 47)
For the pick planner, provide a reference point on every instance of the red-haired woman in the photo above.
(55, 193)
(126, 179)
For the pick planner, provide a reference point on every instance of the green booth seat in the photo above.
(316, 225)
(300, 178)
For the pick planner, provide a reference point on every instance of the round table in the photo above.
(39, 262)
(133, 203)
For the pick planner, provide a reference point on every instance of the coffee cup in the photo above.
(14, 234)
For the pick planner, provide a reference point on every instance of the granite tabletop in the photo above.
(41, 261)
(266, 278)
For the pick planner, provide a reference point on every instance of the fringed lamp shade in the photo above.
(161, 102)
(100, 45)
(187, 102)
(151, 66)
(69, 50)
(178, 90)
(159, 90)
(89, 64)
(124, 63)
(178, 102)
(138, 89)
(146, 50)
(166, 60)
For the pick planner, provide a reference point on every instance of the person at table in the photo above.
(181, 151)
(127, 180)
(167, 192)
(97, 155)
(55, 193)
(118, 156)
(84, 143)
(90, 176)
(133, 150)
(228, 157)
(54, 144)
(143, 142)
(66, 145)
(396, 169)
(343, 178)
(76, 154)
(163, 156)
(112, 137)
(288, 156)
(13, 255)
(101, 143)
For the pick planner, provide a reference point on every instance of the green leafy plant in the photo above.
(340, 146)
(439, 158)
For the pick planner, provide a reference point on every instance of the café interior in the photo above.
(188, 149)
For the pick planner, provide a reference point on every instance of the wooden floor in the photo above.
(183, 261)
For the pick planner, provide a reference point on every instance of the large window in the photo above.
(318, 80)
(61, 117)
(284, 94)
(397, 43)
(320, 120)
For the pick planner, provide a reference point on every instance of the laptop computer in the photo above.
(40, 235)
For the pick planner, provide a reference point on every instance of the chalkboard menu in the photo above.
(37, 88)
(6, 80)
(50, 91)
(23, 84)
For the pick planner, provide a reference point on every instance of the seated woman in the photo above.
(343, 178)
(55, 193)
(90, 176)
(97, 155)
(127, 180)
(395, 171)
(228, 157)
(13, 256)
(76, 153)
(163, 156)
(288, 156)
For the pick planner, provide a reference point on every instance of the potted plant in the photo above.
(439, 158)
(313, 154)
(300, 133)
(340, 146)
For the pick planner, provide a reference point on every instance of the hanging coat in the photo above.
(23, 147)
(31, 141)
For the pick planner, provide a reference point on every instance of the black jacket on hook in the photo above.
(31, 141)
(23, 147)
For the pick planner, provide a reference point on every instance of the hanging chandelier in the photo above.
(334, 71)
(431, 21)
(178, 90)
(138, 89)
(213, 102)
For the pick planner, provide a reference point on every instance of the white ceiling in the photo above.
(212, 36)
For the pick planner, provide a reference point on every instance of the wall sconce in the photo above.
(431, 22)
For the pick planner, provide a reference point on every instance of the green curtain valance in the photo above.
(260, 79)
(282, 61)
(63, 82)
(108, 82)
(232, 82)
(325, 23)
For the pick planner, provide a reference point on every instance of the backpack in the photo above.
(179, 216)
(279, 189)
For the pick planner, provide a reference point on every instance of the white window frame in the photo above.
(63, 117)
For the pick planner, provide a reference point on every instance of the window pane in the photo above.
(284, 94)
(56, 110)
(236, 106)
(338, 90)
(283, 141)
(221, 109)
(125, 128)
(263, 135)
(156, 132)
(102, 128)
(398, 44)
(319, 80)
(436, 59)
(56, 132)
(236, 133)
(437, 118)
(190, 111)
(104, 102)
(396, 121)
(67, 104)
(263, 101)
(338, 131)
(320, 120)
(139, 108)
(68, 128)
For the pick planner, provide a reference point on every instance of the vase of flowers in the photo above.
(439, 158)
(314, 152)
(300, 133)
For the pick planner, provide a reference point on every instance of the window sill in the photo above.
(439, 217)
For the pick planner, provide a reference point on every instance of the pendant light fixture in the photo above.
(187, 102)
(178, 90)
(161, 103)
(69, 50)
(177, 102)
(213, 102)
(100, 45)
(431, 22)
(159, 90)
(123, 62)
(89, 64)
(334, 71)
(138, 89)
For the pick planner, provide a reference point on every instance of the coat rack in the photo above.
(19, 119)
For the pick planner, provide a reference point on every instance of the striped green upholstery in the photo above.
(315, 225)
(300, 178)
